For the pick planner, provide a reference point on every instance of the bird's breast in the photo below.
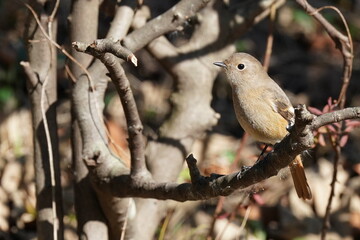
(258, 118)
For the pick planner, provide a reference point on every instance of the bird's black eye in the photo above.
(241, 66)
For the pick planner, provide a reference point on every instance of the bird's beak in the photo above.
(220, 64)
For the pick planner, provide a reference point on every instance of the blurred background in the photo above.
(304, 62)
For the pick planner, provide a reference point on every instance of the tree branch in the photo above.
(201, 187)
(41, 72)
(337, 116)
(342, 42)
(174, 17)
(136, 142)
(122, 20)
(105, 50)
(91, 225)
(102, 46)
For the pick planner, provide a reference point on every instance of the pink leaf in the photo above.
(343, 140)
(315, 111)
(353, 124)
(326, 109)
(348, 129)
(329, 101)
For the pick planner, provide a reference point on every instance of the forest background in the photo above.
(91, 186)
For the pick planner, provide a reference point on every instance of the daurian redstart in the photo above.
(262, 108)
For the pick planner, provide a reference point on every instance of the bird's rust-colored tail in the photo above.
(298, 174)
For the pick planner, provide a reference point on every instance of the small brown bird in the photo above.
(262, 108)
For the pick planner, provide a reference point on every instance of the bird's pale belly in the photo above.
(268, 128)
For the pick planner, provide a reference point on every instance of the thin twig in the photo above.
(341, 99)
(232, 217)
(123, 228)
(59, 47)
(54, 11)
(342, 42)
(51, 158)
(216, 214)
(165, 225)
(347, 59)
(46, 126)
(70, 74)
(87, 73)
(270, 39)
(43, 113)
(326, 224)
(345, 45)
(32, 77)
(246, 217)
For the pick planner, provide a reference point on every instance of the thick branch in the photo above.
(122, 19)
(104, 50)
(136, 142)
(91, 225)
(41, 70)
(174, 17)
(200, 188)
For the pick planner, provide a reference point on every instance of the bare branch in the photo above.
(342, 42)
(270, 38)
(201, 187)
(91, 225)
(100, 49)
(136, 142)
(41, 71)
(326, 219)
(166, 22)
(194, 171)
(122, 20)
(345, 45)
(31, 75)
(101, 46)
(337, 116)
